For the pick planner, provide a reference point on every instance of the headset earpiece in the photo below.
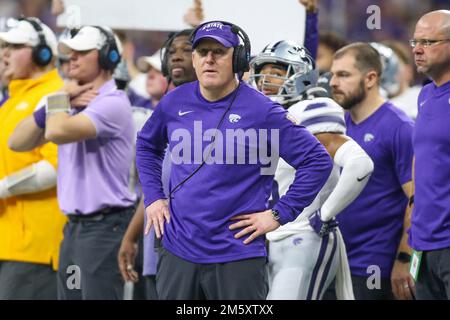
(108, 56)
(165, 55)
(240, 63)
(41, 54)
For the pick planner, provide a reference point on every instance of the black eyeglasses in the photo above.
(425, 42)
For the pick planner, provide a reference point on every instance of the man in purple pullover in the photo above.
(219, 131)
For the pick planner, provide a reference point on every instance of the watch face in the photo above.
(275, 214)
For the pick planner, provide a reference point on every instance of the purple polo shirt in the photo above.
(430, 222)
(372, 224)
(202, 208)
(94, 174)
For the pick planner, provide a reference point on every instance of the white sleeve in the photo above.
(38, 177)
(41, 103)
(356, 170)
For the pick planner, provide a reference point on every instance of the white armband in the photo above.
(57, 102)
(38, 177)
(356, 170)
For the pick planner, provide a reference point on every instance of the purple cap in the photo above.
(218, 31)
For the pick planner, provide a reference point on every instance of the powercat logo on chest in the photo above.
(233, 118)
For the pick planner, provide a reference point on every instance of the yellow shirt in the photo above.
(31, 225)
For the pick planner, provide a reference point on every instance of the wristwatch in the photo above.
(275, 215)
(411, 201)
(404, 257)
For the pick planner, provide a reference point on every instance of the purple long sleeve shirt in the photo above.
(202, 207)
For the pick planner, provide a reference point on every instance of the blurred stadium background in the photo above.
(342, 16)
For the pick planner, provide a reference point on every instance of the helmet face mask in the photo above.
(297, 64)
(269, 81)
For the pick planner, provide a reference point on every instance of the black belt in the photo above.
(97, 215)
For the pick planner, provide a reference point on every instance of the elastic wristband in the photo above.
(57, 102)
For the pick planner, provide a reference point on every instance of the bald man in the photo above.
(430, 224)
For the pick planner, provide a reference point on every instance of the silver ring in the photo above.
(406, 286)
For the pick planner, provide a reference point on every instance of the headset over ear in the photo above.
(41, 54)
(108, 56)
(164, 54)
(241, 54)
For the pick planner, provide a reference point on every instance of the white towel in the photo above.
(344, 287)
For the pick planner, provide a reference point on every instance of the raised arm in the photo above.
(311, 41)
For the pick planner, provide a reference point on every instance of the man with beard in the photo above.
(374, 225)
(177, 58)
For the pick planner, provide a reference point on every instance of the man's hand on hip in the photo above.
(256, 224)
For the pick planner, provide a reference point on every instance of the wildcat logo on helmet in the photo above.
(297, 50)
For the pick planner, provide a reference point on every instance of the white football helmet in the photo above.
(299, 66)
(391, 67)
